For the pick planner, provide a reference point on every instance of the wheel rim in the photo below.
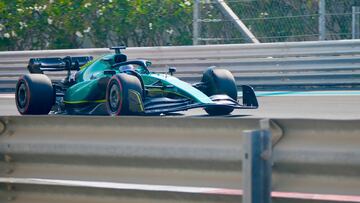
(114, 97)
(22, 96)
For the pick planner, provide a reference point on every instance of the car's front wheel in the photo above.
(124, 95)
(219, 81)
(34, 94)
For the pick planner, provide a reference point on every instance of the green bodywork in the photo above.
(88, 87)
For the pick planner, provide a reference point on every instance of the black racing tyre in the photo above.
(219, 81)
(118, 94)
(34, 94)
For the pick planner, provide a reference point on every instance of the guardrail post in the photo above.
(257, 166)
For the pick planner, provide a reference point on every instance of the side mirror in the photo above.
(148, 63)
(172, 70)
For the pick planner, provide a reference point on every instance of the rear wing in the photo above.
(39, 65)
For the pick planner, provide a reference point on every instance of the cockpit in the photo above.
(139, 66)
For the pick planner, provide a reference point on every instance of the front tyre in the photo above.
(124, 95)
(34, 94)
(219, 81)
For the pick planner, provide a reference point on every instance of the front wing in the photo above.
(166, 105)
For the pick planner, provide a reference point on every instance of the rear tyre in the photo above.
(34, 94)
(123, 94)
(219, 81)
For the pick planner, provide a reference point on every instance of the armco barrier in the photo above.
(292, 65)
(134, 159)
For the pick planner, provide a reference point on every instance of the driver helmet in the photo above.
(126, 68)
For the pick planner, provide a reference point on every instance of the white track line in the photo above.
(7, 96)
(269, 94)
(179, 189)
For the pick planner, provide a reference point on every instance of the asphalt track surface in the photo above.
(316, 105)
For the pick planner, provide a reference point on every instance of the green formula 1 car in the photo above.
(113, 85)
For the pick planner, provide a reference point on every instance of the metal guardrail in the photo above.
(134, 159)
(292, 65)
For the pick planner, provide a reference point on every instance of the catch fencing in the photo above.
(148, 159)
(267, 66)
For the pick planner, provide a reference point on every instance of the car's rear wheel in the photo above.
(124, 95)
(34, 94)
(219, 81)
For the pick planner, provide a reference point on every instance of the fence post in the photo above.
(196, 22)
(355, 22)
(322, 20)
(257, 163)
